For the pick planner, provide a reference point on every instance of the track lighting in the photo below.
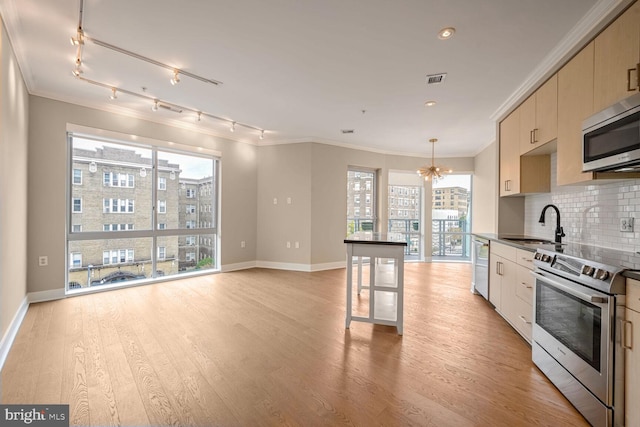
(158, 103)
(176, 78)
(77, 71)
(78, 39)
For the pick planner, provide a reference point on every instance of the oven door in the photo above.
(572, 323)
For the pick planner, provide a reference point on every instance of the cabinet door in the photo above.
(546, 128)
(632, 370)
(575, 103)
(510, 155)
(617, 54)
(495, 281)
(508, 297)
(527, 124)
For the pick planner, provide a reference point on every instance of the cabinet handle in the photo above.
(526, 259)
(629, 71)
(625, 335)
(499, 269)
(533, 136)
(530, 137)
(507, 185)
(524, 320)
(526, 286)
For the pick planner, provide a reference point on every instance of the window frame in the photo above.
(156, 149)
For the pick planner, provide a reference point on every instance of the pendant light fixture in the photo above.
(432, 172)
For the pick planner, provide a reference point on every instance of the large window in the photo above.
(361, 200)
(122, 227)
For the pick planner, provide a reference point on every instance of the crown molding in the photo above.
(598, 17)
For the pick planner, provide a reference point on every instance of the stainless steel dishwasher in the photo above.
(480, 280)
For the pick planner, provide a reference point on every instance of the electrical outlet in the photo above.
(43, 261)
(626, 225)
(297, 245)
(243, 244)
(275, 201)
(288, 245)
(288, 200)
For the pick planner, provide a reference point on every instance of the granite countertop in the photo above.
(527, 243)
(375, 238)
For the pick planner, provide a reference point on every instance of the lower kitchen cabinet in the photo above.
(632, 355)
(511, 286)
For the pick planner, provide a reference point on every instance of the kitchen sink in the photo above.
(529, 240)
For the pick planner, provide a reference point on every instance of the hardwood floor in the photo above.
(268, 347)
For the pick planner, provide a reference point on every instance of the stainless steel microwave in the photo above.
(611, 138)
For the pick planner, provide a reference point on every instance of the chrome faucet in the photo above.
(559, 231)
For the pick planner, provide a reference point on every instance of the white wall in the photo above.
(14, 105)
(47, 179)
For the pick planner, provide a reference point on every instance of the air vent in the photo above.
(345, 131)
(433, 79)
(170, 108)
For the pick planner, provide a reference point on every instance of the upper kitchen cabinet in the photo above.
(510, 154)
(539, 117)
(617, 60)
(520, 175)
(575, 103)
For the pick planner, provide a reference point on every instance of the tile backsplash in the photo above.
(590, 214)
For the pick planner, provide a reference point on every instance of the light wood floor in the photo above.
(267, 347)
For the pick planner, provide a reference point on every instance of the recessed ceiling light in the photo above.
(430, 103)
(446, 33)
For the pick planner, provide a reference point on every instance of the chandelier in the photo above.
(432, 172)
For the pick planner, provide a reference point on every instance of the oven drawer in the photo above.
(524, 285)
(633, 294)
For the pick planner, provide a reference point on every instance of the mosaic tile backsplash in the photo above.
(590, 214)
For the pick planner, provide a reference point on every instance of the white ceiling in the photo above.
(303, 70)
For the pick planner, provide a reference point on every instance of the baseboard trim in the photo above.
(12, 331)
(43, 296)
(238, 266)
(329, 266)
(301, 267)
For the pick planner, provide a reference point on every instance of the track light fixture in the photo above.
(113, 94)
(77, 71)
(176, 78)
(157, 103)
(79, 38)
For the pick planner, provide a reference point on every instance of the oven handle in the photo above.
(597, 299)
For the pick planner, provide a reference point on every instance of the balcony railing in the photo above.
(451, 241)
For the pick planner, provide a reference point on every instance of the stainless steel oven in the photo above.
(578, 310)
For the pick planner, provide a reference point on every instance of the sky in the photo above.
(453, 180)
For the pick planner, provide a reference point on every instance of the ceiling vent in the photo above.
(345, 131)
(433, 79)
(170, 108)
